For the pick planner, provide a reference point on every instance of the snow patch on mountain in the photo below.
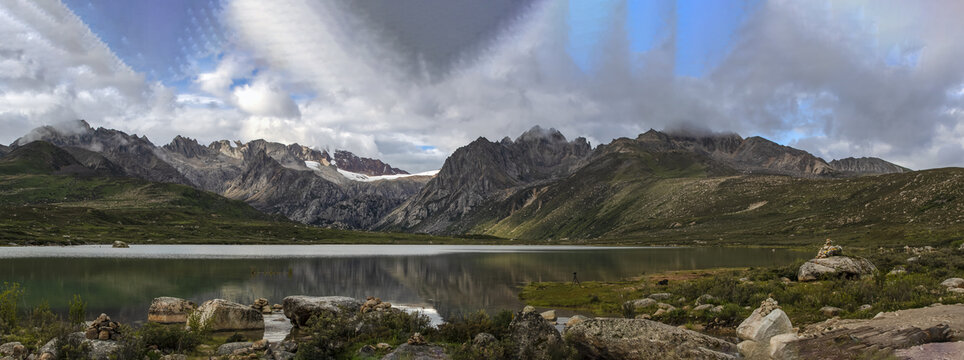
(314, 165)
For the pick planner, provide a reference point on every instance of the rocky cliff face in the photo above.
(372, 167)
(751, 155)
(136, 155)
(270, 176)
(484, 169)
(4, 150)
(866, 166)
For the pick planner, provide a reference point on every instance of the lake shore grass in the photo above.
(737, 291)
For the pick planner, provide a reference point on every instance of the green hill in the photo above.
(629, 194)
(48, 196)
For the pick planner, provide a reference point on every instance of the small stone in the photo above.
(830, 311)
(104, 335)
(659, 312)
(703, 299)
(644, 316)
(865, 307)
(120, 245)
(549, 315)
(367, 351)
(717, 309)
(528, 309)
(383, 346)
(576, 319)
(785, 280)
(660, 296)
(703, 307)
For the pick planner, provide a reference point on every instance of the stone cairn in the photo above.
(262, 305)
(103, 329)
(375, 304)
(829, 249)
(417, 339)
(767, 306)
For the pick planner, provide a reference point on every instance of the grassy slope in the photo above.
(638, 197)
(37, 206)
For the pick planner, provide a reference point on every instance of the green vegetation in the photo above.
(632, 196)
(736, 289)
(39, 206)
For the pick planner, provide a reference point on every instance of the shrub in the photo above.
(77, 310)
(464, 328)
(10, 295)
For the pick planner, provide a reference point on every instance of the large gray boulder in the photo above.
(612, 338)
(170, 310)
(15, 350)
(417, 352)
(101, 349)
(533, 337)
(761, 328)
(223, 315)
(834, 266)
(299, 309)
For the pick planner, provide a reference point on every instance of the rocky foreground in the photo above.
(925, 333)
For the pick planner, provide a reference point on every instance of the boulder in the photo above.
(703, 307)
(532, 336)
(299, 309)
(764, 323)
(612, 338)
(752, 350)
(223, 315)
(101, 350)
(953, 283)
(375, 304)
(780, 346)
(638, 304)
(549, 315)
(897, 270)
(120, 245)
(830, 311)
(230, 348)
(660, 296)
(834, 266)
(575, 319)
(417, 352)
(170, 310)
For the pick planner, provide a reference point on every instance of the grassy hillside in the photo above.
(630, 196)
(38, 205)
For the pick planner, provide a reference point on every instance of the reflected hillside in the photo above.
(452, 283)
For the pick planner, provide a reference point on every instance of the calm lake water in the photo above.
(448, 279)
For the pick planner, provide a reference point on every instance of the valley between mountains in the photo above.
(75, 183)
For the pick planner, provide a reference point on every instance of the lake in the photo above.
(447, 279)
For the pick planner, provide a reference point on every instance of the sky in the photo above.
(411, 81)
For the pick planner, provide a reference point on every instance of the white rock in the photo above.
(953, 283)
(761, 328)
(779, 348)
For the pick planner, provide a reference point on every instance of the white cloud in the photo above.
(357, 93)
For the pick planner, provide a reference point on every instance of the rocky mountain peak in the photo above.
(188, 147)
(866, 166)
(348, 161)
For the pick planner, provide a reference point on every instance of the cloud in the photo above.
(851, 78)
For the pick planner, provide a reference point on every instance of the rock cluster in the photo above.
(13, 350)
(828, 250)
(261, 349)
(612, 338)
(829, 263)
(416, 339)
(120, 245)
(102, 329)
(375, 304)
(262, 305)
(954, 285)
(766, 332)
(299, 309)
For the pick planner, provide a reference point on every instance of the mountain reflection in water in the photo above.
(450, 279)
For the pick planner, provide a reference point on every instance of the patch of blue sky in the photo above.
(426, 147)
(705, 31)
(159, 38)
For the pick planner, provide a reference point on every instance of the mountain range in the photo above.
(656, 187)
